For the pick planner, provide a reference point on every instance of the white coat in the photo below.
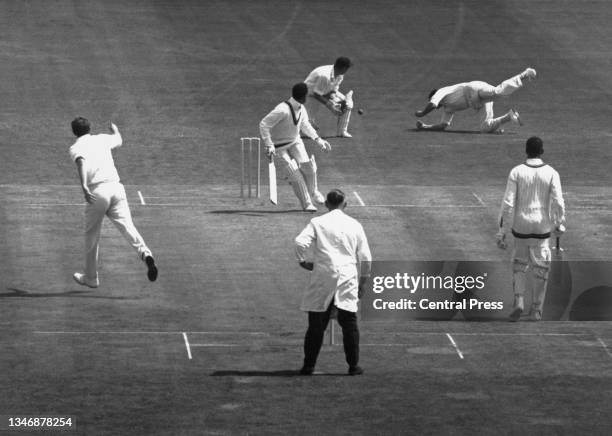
(340, 255)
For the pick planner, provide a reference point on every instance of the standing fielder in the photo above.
(478, 96)
(324, 86)
(105, 195)
(280, 131)
(532, 209)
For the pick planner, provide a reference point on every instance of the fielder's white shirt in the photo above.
(321, 80)
(533, 202)
(340, 249)
(279, 126)
(96, 150)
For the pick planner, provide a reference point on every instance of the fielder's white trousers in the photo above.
(482, 95)
(111, 201)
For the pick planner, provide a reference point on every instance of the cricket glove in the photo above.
(325, 146)
(500, 239)
(335, 108)
(559, 230)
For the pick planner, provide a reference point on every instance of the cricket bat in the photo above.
(559, 286)
(272, 180)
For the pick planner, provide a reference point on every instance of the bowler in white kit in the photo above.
(105, 196)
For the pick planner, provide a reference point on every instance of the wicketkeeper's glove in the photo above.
(336, 108)
(500, 239)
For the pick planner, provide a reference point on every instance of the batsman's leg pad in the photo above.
(309, 170)
(297, 182)
(519, 276)
(343, 121)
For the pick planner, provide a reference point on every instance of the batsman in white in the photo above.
(478, 96)
(105, 196)
(324, 87)
(280, 131)
(532, 209)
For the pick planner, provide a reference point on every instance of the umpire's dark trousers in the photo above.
(317, 323)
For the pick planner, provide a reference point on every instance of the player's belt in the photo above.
(531, 235)
(282, 144)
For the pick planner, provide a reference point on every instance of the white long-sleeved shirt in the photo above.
(341, 255)
(96, 150)
(282, 127)
(322, 81)
(533, 203)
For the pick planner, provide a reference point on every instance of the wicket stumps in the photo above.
(247, 148)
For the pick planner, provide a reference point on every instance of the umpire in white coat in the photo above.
(341, 265)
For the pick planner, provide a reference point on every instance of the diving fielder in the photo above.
(324, 86)
(532, 209)
(478, 96)
(280, 131)
(105, 196)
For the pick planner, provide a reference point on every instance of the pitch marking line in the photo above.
(142, 200)
(187, 345)
(605, 347)
(479, 199)
(361, 203)
(450, 338)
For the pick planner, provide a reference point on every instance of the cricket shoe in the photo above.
(514, 116)
(419, 125)
(318, 197)
(310, 208)
(534, 315)
(307, 370)
(151, 268)
(84, 281)
(345, 134)
(529, 74)
(355, 370)
(516, 314)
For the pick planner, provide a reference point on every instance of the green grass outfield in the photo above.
(212, 347)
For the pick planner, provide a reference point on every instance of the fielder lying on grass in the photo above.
(478, 96)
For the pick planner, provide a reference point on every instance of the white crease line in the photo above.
(605, 347)
(455, 345)
(358, 198)
(478, 198)
(187, 345)
(110, 332)
(142, 200)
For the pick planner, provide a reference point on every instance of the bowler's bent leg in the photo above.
(119, 213)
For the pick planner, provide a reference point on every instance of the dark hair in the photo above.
(534, 147)
(431, 93)
(299, 91)
(80, 126)
(335, 198)
(343, 63)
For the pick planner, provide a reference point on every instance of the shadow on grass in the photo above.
(254, 213)
(20, 293)
(278, 373)
(462, 132)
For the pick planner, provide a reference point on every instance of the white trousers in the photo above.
(482, 95)
(111, 201)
